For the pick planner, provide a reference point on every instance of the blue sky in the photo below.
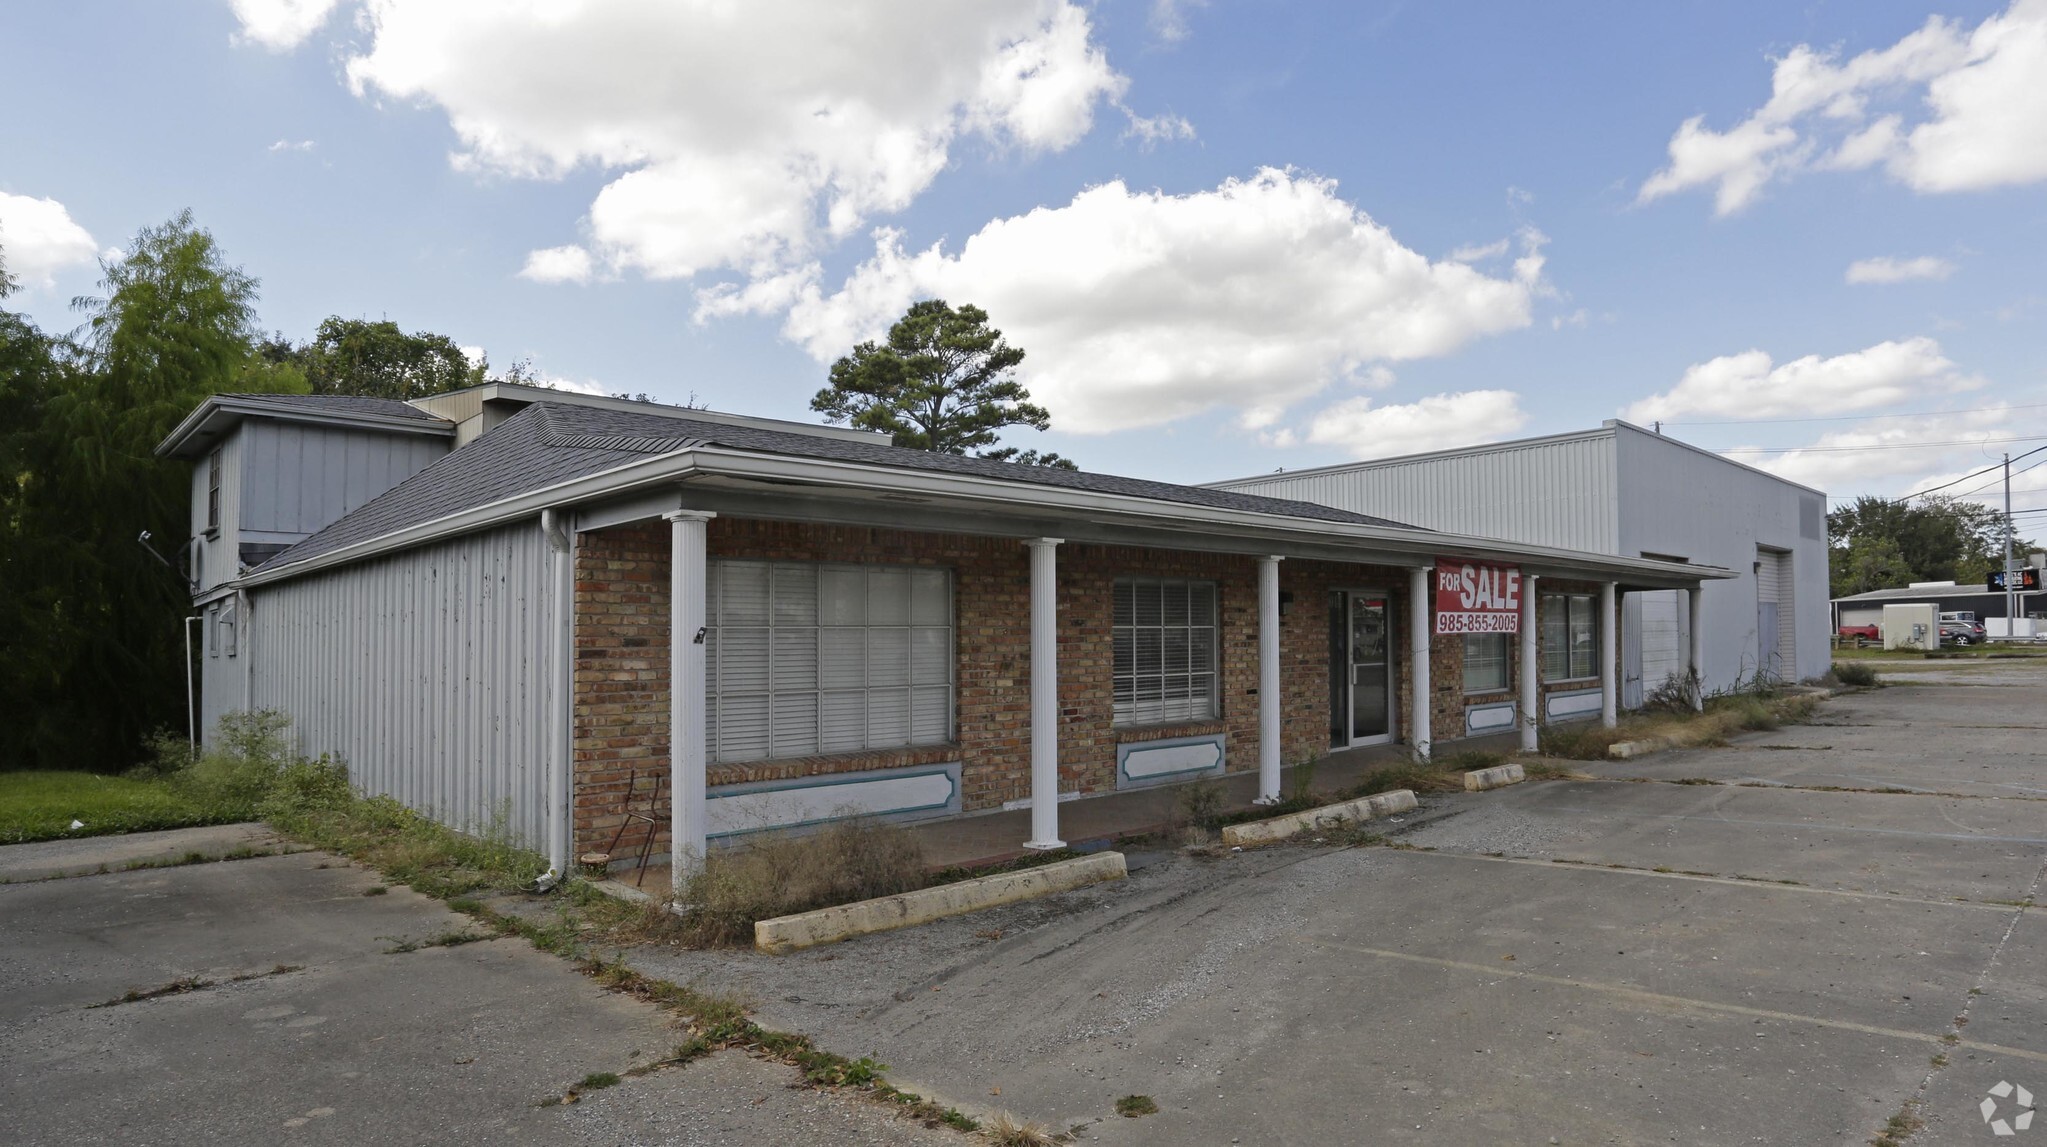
(1232, 236)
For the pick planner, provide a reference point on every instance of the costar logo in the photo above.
(2022, 1099)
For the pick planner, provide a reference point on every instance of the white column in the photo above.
(1044, 694)
(1695, 642)
(1268, 680)
(561, 690)
(689, 573)
(1418, 596)
(1609, 697)
(1531, 691)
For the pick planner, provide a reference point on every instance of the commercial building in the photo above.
(1626, 491)
(516, 601)
(1944, 596)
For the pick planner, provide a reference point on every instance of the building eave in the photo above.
(214, 418)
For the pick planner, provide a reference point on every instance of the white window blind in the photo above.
(1485, 662)
(804, 658)
(1164, 638)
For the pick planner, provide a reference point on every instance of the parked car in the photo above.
(1961, 632)
(1861, 635)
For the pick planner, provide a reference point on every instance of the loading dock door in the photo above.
(1661, 642)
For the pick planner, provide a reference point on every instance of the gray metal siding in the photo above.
(300, 478)
(427, 670)
(1677, 501)
(216, 556)
(1555, 493)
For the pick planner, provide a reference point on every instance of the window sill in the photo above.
(1504, 694)
(1162, 730)
(1593, 680)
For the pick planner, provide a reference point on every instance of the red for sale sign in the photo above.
(1477, 597)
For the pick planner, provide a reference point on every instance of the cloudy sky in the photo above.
(1232, 235)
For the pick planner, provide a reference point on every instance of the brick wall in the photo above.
(621, 670)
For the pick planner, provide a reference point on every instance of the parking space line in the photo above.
(1808, 825)
(1773, 885)
(1645, 996)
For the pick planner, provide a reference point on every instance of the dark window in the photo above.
(213, 491)
(1570, 637)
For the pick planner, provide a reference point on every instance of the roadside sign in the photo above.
(2028, 578)
(1477, 597)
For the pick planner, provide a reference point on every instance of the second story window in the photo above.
(213, 492)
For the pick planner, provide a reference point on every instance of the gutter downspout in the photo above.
(243, 627)
(554, 527)
(191, 702)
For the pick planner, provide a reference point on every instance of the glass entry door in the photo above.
(1361, 670)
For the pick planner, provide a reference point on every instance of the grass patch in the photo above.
(1005, 1131)
(1753, 710)
(599, 1080)
(452, 938)
(779, 876)
(1899, 1127)
(42, 805)
(1133, 1106)
(1860, 673)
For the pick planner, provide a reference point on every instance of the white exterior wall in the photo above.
(1551, 492)
(426, 669)
(1680, 501)
(215, 555)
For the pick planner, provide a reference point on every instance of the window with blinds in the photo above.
(1485, 662)
(804, 658)
(1570, 637)
(1164, 636)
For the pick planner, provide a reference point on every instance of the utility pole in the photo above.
(2011, 593)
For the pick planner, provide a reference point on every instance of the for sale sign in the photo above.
(1477, 597)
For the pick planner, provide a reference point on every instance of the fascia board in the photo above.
(228, 411)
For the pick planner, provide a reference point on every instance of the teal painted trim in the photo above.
(949, 771)
(1125, 750)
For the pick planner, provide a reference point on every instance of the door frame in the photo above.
(1394, 663)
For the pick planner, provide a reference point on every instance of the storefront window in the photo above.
(804, 658)
(1570, 637)
(1485, 662)
(1164, 650)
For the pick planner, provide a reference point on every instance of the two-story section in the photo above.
(269, 471)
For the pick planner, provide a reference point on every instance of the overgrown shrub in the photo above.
(249, 751)
(779, 875)
(303, 785)
(1202, 805)
(1679, 693)
(1855, 673)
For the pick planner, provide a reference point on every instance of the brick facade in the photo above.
(622, 659)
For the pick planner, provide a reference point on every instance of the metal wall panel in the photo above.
(426, 669)
(1557, 492)
(1680, 501)
(299, 478)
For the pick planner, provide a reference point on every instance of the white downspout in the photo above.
(559, 693)
(191, 695)
(245, 627)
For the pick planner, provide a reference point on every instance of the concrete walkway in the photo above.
(49, 859)
(1098, 822)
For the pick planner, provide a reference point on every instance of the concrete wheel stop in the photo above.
(1328, 816)
(1479, 780)
(845, 921)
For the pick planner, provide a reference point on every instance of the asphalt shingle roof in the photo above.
(549, 443)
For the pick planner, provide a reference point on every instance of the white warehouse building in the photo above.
(1623, 490)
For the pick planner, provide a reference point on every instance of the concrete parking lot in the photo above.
(1621, 960)
(1789, 940)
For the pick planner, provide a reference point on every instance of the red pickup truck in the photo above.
(1861, 634)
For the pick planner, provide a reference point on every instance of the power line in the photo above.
(1858, 417)
(1987, 485)
(1879, 446)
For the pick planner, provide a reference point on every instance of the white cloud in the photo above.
(1878, 456)
(1478, 253)
(292, 145)
(1437, 422)
(281, 25)
(38, 238)
(1883, 269)
(1153, 130)
(1749, 385)
(1138, 308)
(1980, 122)
(569, 264)
(738, 137)
(1169, 18)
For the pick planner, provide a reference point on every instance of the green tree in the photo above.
(90, 616)
(943, 382)
(378, 360)
(1882, 544)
